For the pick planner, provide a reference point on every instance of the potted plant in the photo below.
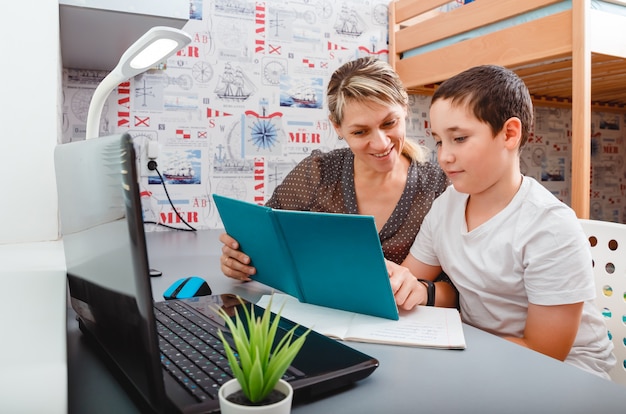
(257, 362)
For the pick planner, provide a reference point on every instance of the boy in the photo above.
(516, 254)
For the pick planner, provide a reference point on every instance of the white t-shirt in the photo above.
(534, 250)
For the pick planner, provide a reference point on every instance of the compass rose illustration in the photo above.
(264, 134)
(265, 130)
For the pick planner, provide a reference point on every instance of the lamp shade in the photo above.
(156, 45)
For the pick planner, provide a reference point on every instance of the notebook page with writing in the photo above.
(424, 326)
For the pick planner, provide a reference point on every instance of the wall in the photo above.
(31, 258)
(227, 109)
(548, 159)
(29, 120)
(227, 106)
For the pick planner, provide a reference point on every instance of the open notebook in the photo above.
(424, 326)
(326, 259)
(110, 291)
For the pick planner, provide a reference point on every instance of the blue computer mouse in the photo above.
(187, 287)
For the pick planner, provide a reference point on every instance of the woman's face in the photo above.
(375, 133)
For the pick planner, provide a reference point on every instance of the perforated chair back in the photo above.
(608, 250)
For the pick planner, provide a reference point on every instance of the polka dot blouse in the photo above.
(325, 182)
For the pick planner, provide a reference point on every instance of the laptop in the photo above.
(110, 291)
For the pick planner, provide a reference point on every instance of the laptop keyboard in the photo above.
(191, 350)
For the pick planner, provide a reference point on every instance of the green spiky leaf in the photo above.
(256, 361)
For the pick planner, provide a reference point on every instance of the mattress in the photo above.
(605, 6)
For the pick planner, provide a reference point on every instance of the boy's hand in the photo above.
(407, 290)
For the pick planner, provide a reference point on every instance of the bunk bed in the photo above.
(568, 53)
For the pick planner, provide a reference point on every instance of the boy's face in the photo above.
(472, 158)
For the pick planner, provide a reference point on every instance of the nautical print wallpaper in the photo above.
(234, 111)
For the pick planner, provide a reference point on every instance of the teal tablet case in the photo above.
(326, 259)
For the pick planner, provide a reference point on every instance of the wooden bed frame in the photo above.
(576, 58)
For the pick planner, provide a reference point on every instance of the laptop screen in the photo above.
(95, 186)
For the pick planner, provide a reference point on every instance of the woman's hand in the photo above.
(407, 290)
(234, 263)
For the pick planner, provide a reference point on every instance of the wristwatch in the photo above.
(430, 288)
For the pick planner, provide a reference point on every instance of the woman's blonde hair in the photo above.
(373, 80)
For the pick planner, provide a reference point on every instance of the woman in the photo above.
(381, 173)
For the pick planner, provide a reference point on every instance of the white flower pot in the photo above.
(281, 407)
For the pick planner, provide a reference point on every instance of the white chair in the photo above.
(608, 250)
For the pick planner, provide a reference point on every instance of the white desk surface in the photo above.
(490, 376)
(33, 307)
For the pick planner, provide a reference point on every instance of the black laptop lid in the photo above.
(102, 259)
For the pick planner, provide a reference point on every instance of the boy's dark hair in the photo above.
(493, 94)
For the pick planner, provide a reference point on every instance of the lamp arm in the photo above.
(110, 82)
(155, 45)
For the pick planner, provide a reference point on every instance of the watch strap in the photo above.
(430, 288)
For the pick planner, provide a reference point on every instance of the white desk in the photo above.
(32, 345)
(490, 376)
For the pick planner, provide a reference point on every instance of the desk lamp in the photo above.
(153, 47)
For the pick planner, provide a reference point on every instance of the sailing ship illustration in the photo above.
(178, 170)
(304, 97)
(234, 84)
(349, 23)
